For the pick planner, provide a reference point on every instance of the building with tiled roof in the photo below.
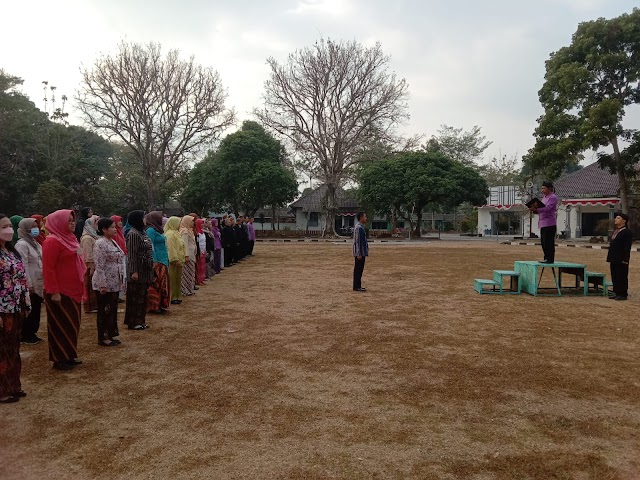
(588, 198)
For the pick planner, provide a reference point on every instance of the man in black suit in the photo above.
(618, 257)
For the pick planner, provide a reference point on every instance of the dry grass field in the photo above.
(277, 370)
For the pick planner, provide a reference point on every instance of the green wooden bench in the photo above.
(479, 285)
(597, 280)
(514, 281)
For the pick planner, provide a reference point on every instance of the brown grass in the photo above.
(276, 369)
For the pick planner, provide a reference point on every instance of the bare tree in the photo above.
(330, 101)
(165, 109)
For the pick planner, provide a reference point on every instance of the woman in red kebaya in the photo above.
(63, 270)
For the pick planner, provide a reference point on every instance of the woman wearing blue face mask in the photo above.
(31, 253)
(14, 305)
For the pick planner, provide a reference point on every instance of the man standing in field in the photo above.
(360, 251)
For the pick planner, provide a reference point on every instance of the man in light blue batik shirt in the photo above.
(360, 251)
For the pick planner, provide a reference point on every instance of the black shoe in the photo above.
(110, 344)
(136, 327)
(20, 394)
(62, 366)
(361, 289)
(115, 340)
(10, 400)
(546, 261)
(74, 362)
(175, 302)
(613, 297)
(30, 341)
(145, 326)
(620, 298)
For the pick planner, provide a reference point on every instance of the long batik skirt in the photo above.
(188, 277)
(210, 270)
(202, 268)
(10, 364)
(63, 327)
(136, 306)
(175, 281)
(107, 319)
(216, 260)
(89, 299)
(159, 289)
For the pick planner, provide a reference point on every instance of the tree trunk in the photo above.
(622, 179)
(330, 202)
(273, 218)
(417, 232)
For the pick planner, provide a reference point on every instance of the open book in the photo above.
(534, 203)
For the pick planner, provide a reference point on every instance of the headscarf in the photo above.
(15, 222)
(186, 226)
(173, 223)
(58, 226)
(199, 223)
(164, 221)
(136, 220)
(154, 219)
(84, 214)
(42, 235)
(216, 234)
(175, 245)
(24, 231)
(119, 238)
(90, 227)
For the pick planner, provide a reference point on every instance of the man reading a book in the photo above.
(547, 221)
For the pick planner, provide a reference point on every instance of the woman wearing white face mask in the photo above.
(14, 304)
(31, 253)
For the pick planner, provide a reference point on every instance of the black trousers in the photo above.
(107, 319)
(548, 240)
(31, 323)
(358, 268)
(251, 244)
(620, 278)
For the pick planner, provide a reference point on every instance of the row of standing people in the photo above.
(63, 264)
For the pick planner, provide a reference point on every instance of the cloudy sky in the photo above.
(467, 62)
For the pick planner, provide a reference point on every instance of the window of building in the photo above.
(379, 225)
(314, 219)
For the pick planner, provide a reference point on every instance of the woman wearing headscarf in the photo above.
(40, 224)
(217, 245)
(158, 290)
(202, 252)
(189, 269)
(139, 271)
(63, 270)
(31, 253)
(15, 222)
(85, 213)
(108, 281)
(210, 248)
(122, 243)
(14, 305)
(176, 253)
(87, 242)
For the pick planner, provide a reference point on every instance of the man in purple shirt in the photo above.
(547, 222)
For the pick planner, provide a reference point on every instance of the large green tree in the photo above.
(405, 184)
(248, 171)
(47, 164)
(466, 147)
(589, 85)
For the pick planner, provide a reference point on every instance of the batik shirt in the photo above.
(14, 291)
